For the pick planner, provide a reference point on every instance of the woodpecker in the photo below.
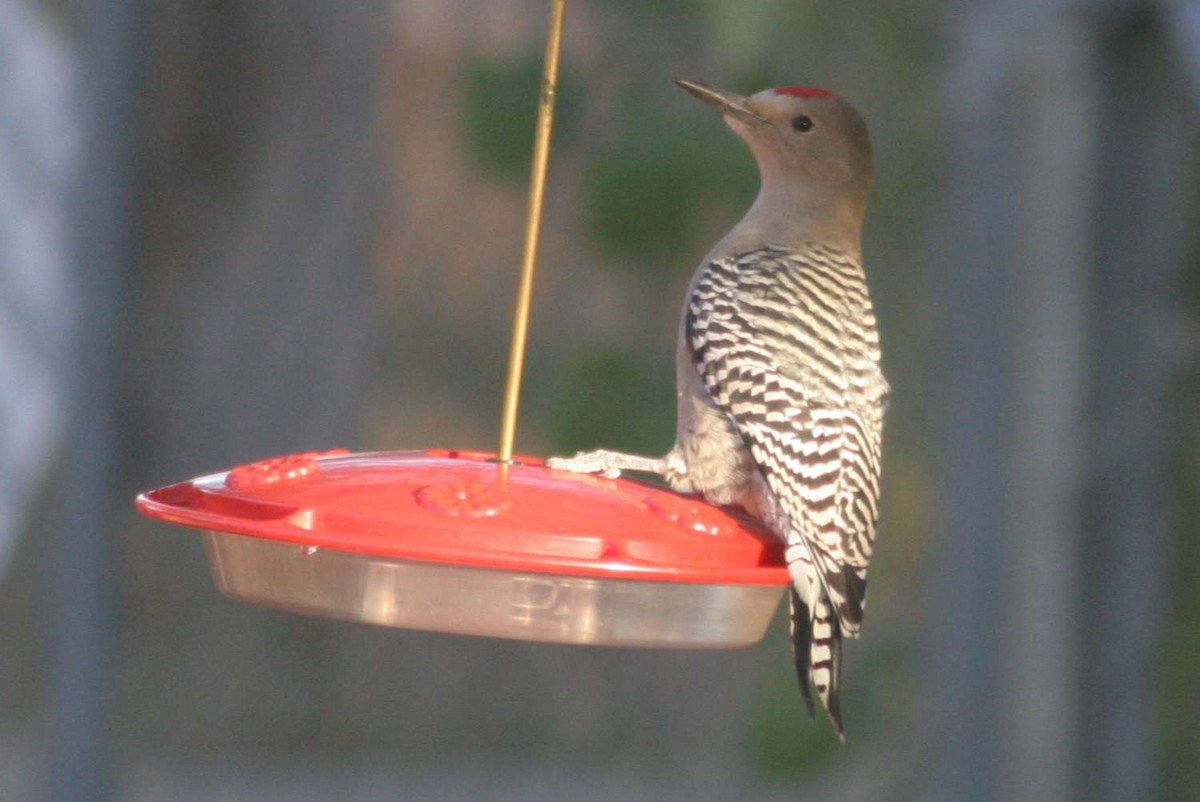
(780, 395)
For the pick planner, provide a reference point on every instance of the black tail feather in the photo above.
(833, 704)
(802, 655)
(801, 624)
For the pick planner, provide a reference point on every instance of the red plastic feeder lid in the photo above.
(453, 507)
(433, 520)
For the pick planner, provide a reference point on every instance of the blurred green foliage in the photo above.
(1180, 678)
(611, 398)
(783, 744)
(1179, 759)
(648, 194)
(499, 106)
(656, 10)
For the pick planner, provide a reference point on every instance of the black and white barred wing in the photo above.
(786, 346)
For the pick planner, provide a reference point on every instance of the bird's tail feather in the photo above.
(817, 651)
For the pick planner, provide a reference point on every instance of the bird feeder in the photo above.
(479, 543)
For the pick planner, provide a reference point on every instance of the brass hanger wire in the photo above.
(537, 188)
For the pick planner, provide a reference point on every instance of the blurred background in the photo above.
(236, 229)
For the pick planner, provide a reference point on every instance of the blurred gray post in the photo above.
(1060, 244)
(976, 293)
(83, 642)
(1040, 625)
(1144, 230)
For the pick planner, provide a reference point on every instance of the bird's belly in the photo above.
(718, 464)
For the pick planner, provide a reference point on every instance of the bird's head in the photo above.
(798, 135)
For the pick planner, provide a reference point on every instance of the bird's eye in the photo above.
(803, 123)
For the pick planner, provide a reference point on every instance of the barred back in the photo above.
(786, 346)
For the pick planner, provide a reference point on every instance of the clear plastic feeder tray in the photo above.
(450, 542)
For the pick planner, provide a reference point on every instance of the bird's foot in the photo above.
(606, 463)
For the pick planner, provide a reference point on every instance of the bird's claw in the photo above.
(584, 462)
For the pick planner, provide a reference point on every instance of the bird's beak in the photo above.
(727, 102)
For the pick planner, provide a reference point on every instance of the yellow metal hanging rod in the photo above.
(537, 190)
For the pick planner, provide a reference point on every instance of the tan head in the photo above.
(814, 157)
